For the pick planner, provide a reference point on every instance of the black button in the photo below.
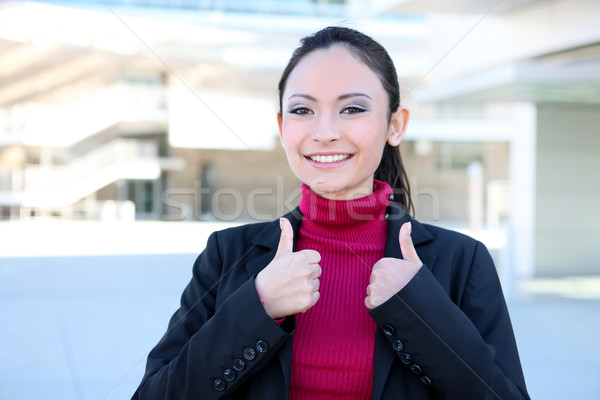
(238, 364)
(386, 216)
(397, 345)
(249, 353)
(406, 358)
(219, 385)
(391, 197)
(389, 330)
(229, 375)
(416, 368)
(262, 346)
(426, 380)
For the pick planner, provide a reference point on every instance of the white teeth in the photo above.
(328, 159)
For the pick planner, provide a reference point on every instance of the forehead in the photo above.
(333, 69)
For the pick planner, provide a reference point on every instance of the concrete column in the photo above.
(522, 188)
(567, 204)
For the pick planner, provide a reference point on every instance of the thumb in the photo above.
(286, 240)
(406, 245)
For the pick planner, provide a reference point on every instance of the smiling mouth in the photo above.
(330, 158)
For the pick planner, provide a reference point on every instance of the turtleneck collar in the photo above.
(345, 213)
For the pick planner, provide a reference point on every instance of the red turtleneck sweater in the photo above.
(334, 340)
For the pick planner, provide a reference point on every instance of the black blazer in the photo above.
(446, 335)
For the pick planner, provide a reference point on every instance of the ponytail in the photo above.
(391, 170)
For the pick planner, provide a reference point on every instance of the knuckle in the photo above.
(307, 302)
(376, 274)
(318, 270)
(310, 256)
(301, 255)
(316, 257)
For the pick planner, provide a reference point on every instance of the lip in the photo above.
(308, 156)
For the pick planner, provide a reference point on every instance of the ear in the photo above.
(398, 124)
(279, 124)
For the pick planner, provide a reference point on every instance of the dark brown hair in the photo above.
(372, 54)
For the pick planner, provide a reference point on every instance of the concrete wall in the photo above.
(242, 185)
(440, 192)
(567, 211)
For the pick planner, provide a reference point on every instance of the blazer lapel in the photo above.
(419, 235)
(384, 354)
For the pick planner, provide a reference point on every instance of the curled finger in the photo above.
(316, 272)
(316, 284)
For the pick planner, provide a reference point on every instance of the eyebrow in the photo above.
(342, 97)
(349, 95)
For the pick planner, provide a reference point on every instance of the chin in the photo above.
(328, 190)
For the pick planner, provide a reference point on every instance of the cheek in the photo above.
(290, 136)
(369, 134)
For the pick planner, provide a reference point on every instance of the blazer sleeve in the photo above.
(208, 353)
(462, 350)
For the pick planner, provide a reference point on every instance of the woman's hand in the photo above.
(390, 275)
(290, 283)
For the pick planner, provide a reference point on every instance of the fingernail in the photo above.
(280, 223)
(409, 228)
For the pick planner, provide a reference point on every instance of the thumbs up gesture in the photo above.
(390, 275)
(289, 284)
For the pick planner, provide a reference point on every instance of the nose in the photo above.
(325, 130)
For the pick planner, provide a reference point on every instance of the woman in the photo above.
(347, 296)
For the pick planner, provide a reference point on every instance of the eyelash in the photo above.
(302, 110)
(353, 110)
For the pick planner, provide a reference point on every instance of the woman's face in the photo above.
(333, 123)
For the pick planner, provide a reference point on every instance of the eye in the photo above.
(301, 110)
(353, 110)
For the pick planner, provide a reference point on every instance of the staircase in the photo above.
(55, 186)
